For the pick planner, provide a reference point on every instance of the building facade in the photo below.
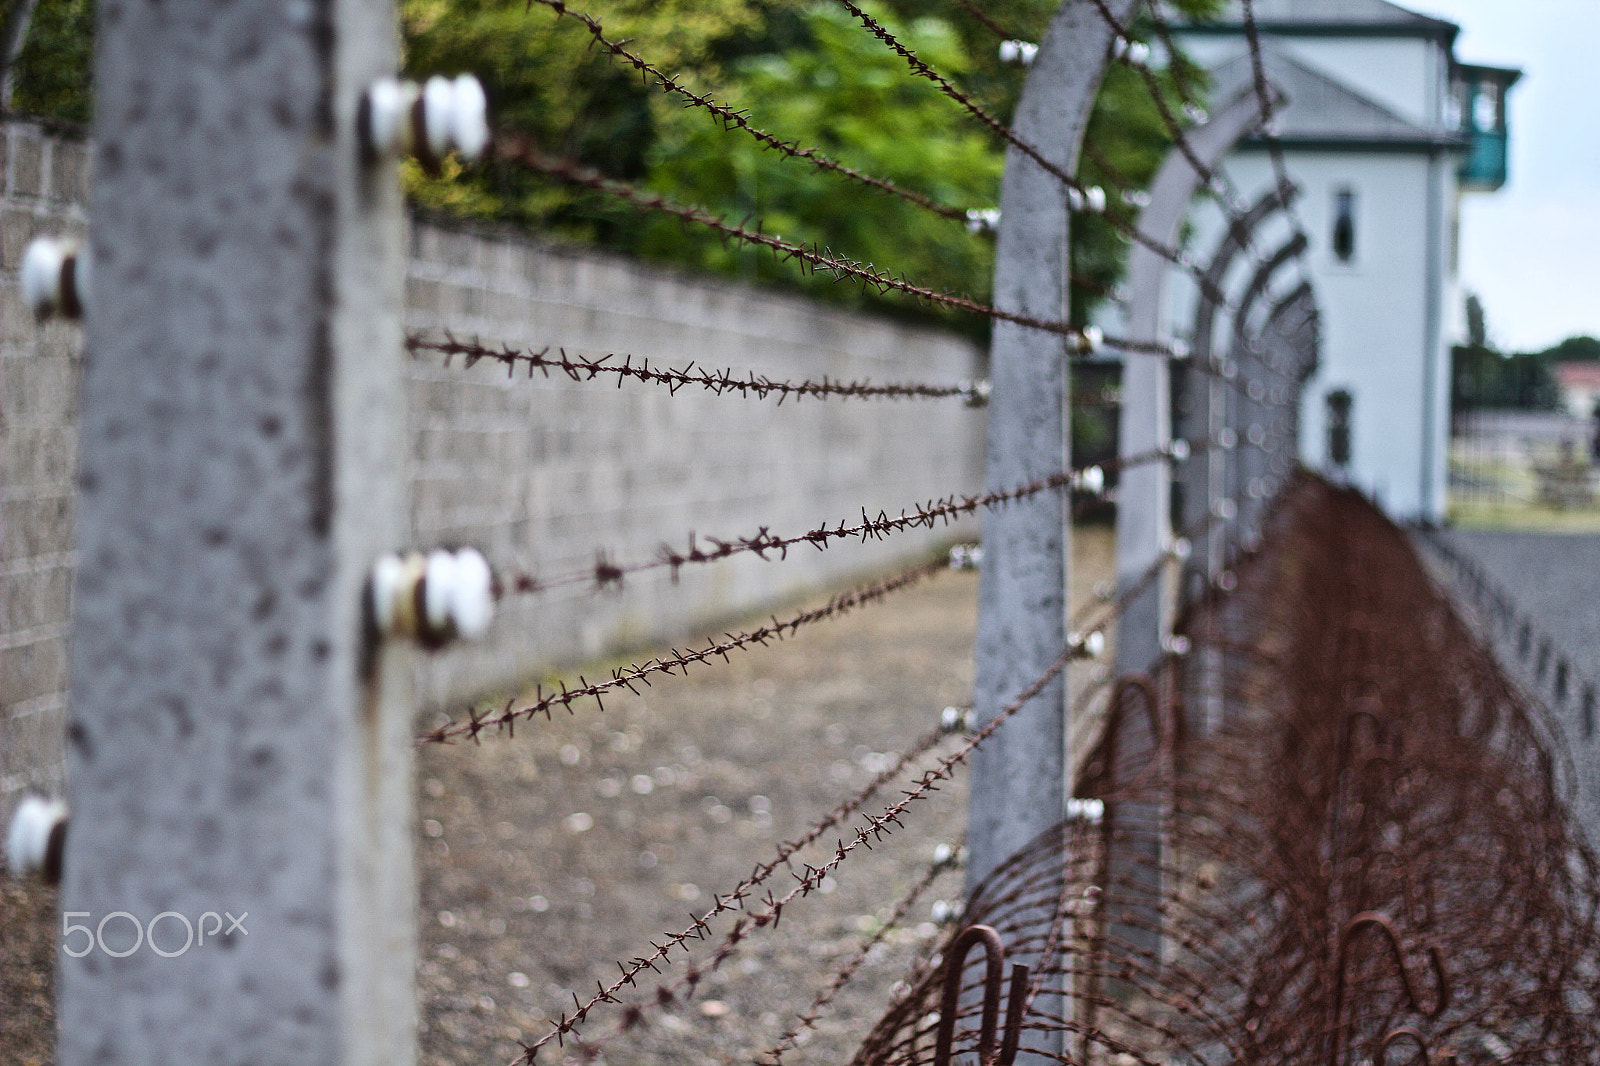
(1383, 131)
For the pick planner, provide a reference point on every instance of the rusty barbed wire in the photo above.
(675, 661)
(738, 118)
(1269, 129)
(846, 973)
(767, 546)
(810, 876)
(718, 382)
(811, 258)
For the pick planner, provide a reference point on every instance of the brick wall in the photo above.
(542, 475)
(43, 192)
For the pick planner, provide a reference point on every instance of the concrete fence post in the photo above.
(1144, 495)
(1144, 521)
(238, 756)
(1019, 777)
(1255, 348)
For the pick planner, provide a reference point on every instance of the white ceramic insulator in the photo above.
(1227, 438)
(1225, 509)
(1093, 644)
(472, 594)
(389, 103)
(953, 719)
(1180, 549)
(1179, 450)
(1180, 349)
(1092, 480)
(438, 594)
(469, 118)
(28, 839)
(943, 911)
(1177, 644)
(1086, 810)
(1096, 197)
(438, 112)
(1256, 434)
(41, 275)
(388, 585)
(1094, 338)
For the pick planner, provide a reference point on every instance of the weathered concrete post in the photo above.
(1255, 347)
(1144, 493)
(239, 759)
(1019, 776)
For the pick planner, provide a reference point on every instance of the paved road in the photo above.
(1552, 584)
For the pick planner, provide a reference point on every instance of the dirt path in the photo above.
(547, 858)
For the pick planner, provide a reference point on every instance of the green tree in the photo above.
(55, 69)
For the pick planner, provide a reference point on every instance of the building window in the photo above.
(1344, 225)
(1339, 402)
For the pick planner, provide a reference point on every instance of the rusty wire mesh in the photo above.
(1368, 858)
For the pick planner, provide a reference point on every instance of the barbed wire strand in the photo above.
(738, 118)
(875, 829)
(812, 257)
(719, 382)
(845, 974)
(606, 573)
(675, 661)
(922, 69)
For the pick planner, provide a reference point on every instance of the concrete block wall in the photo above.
(43, 191)
(548, 473)
(542, 475)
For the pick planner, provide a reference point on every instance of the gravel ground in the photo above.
(548, 857)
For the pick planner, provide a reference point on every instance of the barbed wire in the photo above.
(1269, 129)
(735, 900)
(719, 382)
(846, 973)
(738, 118)
(812, 258)
(505, 720)
(876, 828)
(922, 69)
(586, 368)
(765, 545)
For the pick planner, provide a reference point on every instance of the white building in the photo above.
(1383, 131)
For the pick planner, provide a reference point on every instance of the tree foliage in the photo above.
(807, 72)
(55, 68)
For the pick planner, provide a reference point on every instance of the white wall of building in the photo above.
(1376, 317)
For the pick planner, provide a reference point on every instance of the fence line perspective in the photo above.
(1318, 825)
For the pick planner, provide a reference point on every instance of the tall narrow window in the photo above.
(1339, 402)
(1344, 225)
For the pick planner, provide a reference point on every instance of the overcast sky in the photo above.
(1532, 250)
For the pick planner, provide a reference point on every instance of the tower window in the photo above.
(1344, 225)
